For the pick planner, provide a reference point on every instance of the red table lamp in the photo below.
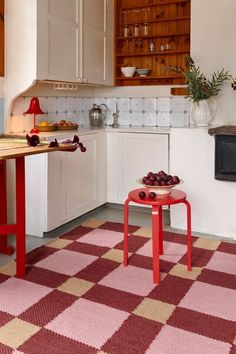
(34, 109)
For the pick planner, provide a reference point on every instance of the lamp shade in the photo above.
(34, 107)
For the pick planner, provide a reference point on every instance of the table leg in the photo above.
(20, 217)
(4, 248)
(189, 231)
(155, 244)
(126, 230)
(160, 230)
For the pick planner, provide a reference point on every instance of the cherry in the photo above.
(175, 179)
(152, 195)
(142, 195)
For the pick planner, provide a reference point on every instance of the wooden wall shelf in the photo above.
(152, 34)
(153, 3)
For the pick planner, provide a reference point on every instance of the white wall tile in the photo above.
(111, 104)
(86, 103)
(52, 104)
(150, 104)
(100, 100)
(124, 118)
(137, 104)
(178, 104)
(137, 119)
(124, 105)
(164, 104)
(70, 104)
(178, 119)
(84, 118)
(163, 119)
(78, 105)
(150, 119)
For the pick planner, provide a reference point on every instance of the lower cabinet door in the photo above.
(131, 156)
(83, 186)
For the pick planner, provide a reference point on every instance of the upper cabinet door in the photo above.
(93, 41)
(73, 42)
(58, 29)
(63, 34)
(94, 14)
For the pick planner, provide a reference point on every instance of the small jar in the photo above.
(151, 46)
(145, 29)
(126, 31)
(136, 30)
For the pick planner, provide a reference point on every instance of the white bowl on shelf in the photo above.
(128, 71)
(143, 72)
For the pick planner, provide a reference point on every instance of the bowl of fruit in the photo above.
(160, 183)
(44, 126)
(66, 125)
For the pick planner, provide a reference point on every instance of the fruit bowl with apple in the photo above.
(160, 182)
(66, 125)
(45, 126)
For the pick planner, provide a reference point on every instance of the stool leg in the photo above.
(126, 226)
(160, 231)
(20, 217)
(189, 230)
(155, 244)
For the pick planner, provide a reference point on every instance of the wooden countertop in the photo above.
(13, 148)
(223, 130)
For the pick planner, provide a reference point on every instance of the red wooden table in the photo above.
(174, 197)
(11, 149)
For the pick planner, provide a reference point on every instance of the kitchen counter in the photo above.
(64, 134)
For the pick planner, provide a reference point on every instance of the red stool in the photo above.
(175, 197)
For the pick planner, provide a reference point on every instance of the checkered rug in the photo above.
(77, 296)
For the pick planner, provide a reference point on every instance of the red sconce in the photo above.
(34, 109)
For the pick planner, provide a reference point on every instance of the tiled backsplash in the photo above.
(162, 111)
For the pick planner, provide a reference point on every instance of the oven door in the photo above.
(225, 157)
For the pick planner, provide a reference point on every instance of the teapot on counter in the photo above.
(97, 115)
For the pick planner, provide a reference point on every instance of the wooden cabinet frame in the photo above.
(152, 34)
(1, 37)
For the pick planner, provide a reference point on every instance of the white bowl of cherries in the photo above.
(159, 183)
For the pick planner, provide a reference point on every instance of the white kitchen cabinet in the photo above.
(62, 186)
(78, 41)
(84, 178)
(130, 156)
(56, 40)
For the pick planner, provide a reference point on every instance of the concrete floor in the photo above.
(110, 212)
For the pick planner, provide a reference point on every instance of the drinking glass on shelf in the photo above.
(151, 46)
(136, 30)
(145, 29)
(126, 31)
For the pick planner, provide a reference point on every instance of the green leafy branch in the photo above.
(198, 86)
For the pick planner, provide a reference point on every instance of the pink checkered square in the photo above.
(17, 295)
(88, 322)
(173, 252)
(104, 238)
(222, 263)
(212, 300)
(131, 279)
(172, 340)
(66, 262)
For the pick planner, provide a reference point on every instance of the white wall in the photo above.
(213, 47)
(213, 202)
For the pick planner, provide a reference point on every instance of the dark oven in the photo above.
(225, 152)
(225, 157)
